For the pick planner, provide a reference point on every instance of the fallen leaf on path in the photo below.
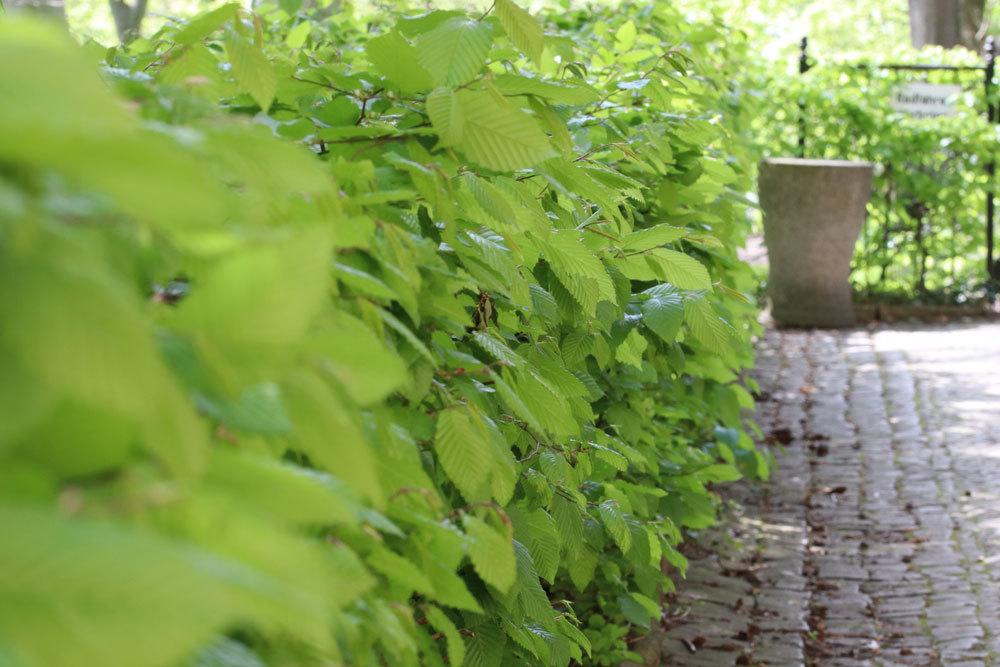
(782, 436)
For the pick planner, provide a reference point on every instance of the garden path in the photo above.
(878, 540)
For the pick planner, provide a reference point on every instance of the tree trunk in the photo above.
(947, 23)
(128, 18)
(50, 9)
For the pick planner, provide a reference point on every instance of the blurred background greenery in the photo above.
(848, 116)
(850, 28)
(91, 19)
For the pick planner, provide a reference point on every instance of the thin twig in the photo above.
(489, 9)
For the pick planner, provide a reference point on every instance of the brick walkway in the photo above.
(878, 540)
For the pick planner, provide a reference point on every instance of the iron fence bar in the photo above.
(804, 67)
(992, 116)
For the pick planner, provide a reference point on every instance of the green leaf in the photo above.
(719, 472)
(294, 494)
(462, 444)
(581, 566)
(547, 405)
(407, 335)
(663, 311)
(203, 25)
(440, 622)
(625, 36)
(554, 125)
(537, 530)
(568, 628)
(706, 325)
(151, 600)
(530, 595)
(439, 548)
(397, 60)
(329, 432)
(399, 570)
(455, 51)
(399, 464)
(363, 282)
(577, 345)
(498, 349)
(505, 387)
(631, 349)
(490, 132)
(197, 70)
(485, 646)
(297, 36)
(396, 637)
(569, 522)
(252, 70)
(681, 270)
(357, 357)
(555, 466)
(522, 28)
(562, 92)
(258, 409)
(491, 553)
(668, 265)
(610, 456)
(652, 237)
(614, 522)
(638, 609)
(504, 477)
(578, 269)
(274, 291)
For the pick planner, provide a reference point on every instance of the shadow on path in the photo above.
(878, 540)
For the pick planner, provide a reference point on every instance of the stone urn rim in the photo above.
(814, 162)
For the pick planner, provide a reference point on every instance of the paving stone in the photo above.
(779, 649)
(708, 658)
(878, 539)
(911, 605)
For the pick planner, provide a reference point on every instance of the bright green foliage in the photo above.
(410, 341)
(455, 51)
(523, 29)
(251, 69)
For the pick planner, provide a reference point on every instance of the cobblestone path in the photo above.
(878, 540)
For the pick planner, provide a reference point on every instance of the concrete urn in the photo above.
(813, 212)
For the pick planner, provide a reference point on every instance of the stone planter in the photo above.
(813, 212)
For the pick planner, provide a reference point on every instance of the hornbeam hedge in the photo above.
(365, 340)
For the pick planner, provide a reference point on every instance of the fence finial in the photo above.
(804, 55)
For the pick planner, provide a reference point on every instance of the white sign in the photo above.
(925, 100)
